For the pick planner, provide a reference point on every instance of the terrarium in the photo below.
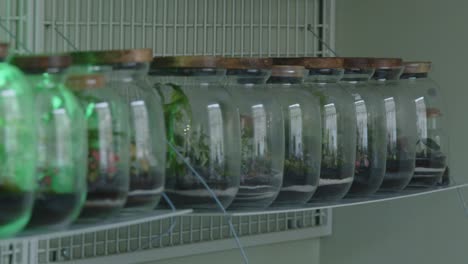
(338, 127)
(262, 132)
(127, 74)
(401, 124)
(17, 151)
(302, 134)
(108, 136)
(432, 141)
(371, 140)
(61, 142)
(202, 126)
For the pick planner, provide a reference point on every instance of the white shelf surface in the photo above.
(377, 198)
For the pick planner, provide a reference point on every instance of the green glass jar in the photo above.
(61, 145)
(127, 73)
(17, 152)
(108, 144)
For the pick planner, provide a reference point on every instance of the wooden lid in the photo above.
(357, 62)
(112, 56)
(385, 63)
(246, 63)
(85, 81)
(433, 112)
(185, 62)
(417, 66)
(42, 62)
(4, 50)
(312, 62)
(287, 71)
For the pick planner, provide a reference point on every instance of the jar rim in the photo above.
(42, 62)
(112, 56)
(417, 66)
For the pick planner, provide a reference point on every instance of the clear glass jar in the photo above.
(203, 125)
(18, 151)
(371, 129)
(302, 131)
(108, 144)
(262, 132)
(127, 74)
(61, 142)
(338, 127)
(432, 141)
(401, 124)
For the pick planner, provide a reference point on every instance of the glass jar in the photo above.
(262, 132)
(127, 72)
(371, 140)
(202, 124)
(302, 131)
(401, 124)
(108, 144)
(61, 142)
(432, 141)
(338, 127)
(17, 152)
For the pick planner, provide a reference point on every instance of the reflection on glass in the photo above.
(331, 130)
(362, 124)
(106, 147)
(295, 131)
(216, 134)
(260, 128)
(390, 112)
(421, 118)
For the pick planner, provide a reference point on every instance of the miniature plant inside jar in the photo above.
(192, 145)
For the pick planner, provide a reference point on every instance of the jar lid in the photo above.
(112, 56)
(357, 63)
(185, 62)
(433, 112)
(312, 62)
(85, 81)
(4, 50)
(247, 63)
(287, 71)
(386, 63)
(41, 62)
(417, 66)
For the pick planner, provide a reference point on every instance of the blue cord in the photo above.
(218, 202)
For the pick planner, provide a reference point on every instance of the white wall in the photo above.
(302, 251)
(431, 229)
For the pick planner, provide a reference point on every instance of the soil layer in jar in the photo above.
(334, 183)
(145, 190)
(397, 175)
(54, 209)
(14, 206)
(429, 170)
(192, 194)
(259, 186)
(298, 185)
(103, 202)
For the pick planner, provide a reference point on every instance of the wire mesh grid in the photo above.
(188, 229)
(172, 27)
